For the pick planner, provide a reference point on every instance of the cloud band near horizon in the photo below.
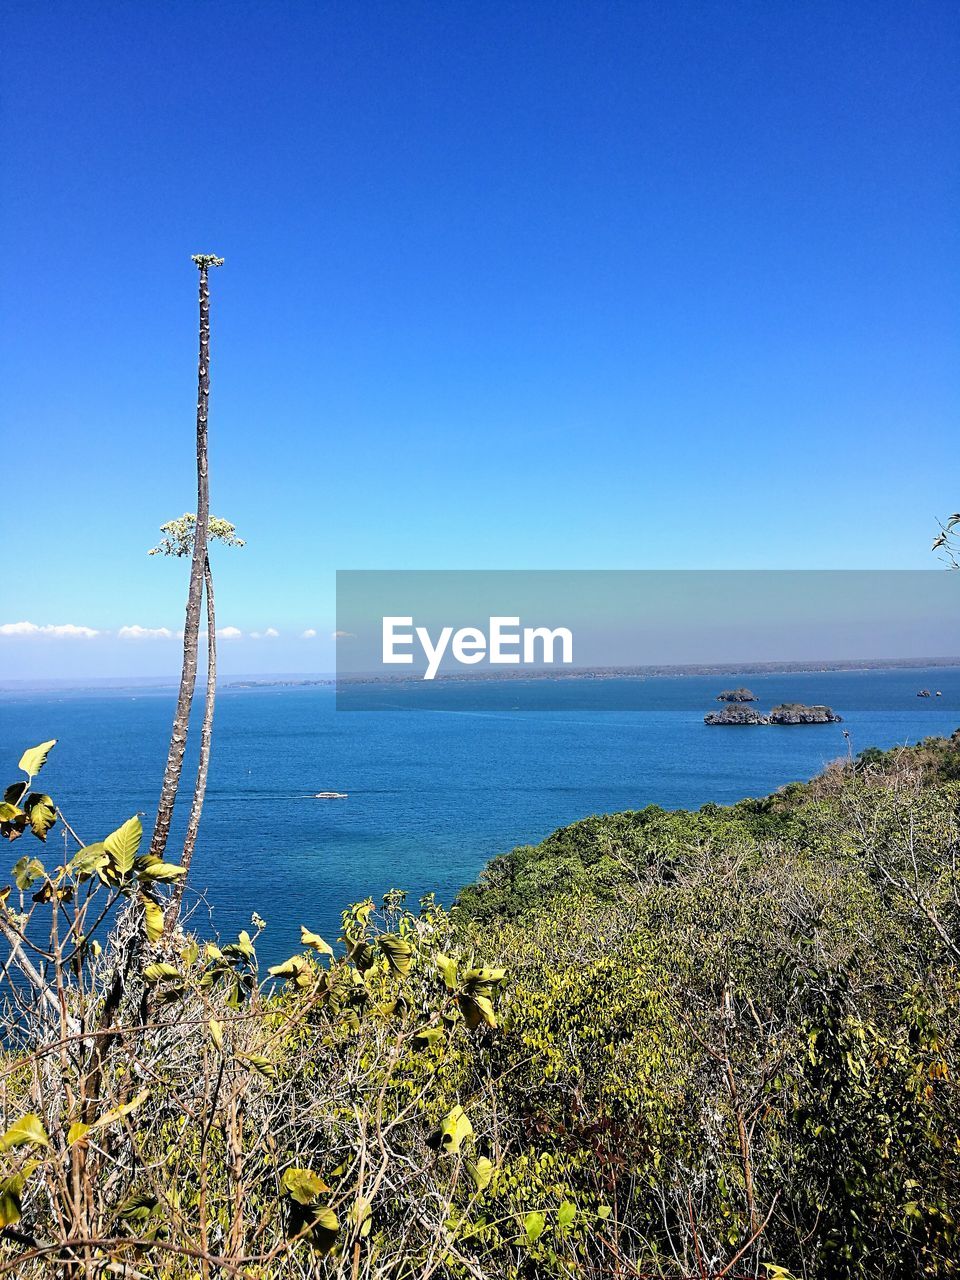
(131, 632)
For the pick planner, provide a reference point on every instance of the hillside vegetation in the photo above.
(670, 1044)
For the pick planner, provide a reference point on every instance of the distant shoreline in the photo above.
(159, 684)
(653, 671)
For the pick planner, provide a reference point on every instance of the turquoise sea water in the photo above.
(432, 795)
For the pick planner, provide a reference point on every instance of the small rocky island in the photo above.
(735, 715)
(736, 695)
(798, 713)
(786, 713)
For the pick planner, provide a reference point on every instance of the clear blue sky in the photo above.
(512, 285)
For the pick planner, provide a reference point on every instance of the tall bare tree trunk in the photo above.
(206, 734)
(191, 630)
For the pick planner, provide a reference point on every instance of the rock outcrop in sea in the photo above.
(735, 715)
(786, 713)
(798, 713)
(736, 695)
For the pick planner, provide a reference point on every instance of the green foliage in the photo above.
(27, 1131)
(178, 535)
(203, 260)
(690, 1043)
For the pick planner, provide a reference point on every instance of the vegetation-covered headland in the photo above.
(673, 1044)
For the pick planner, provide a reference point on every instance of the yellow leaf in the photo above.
(28, 1131)
(481, 1173)
(448, 968)
(161, 871)
(455, 1128)
(122, 845)
(314, 940)
(153, 919)
(32, 760)
(117, 1113)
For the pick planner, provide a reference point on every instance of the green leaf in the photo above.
(9, 812)
(361, 1217)
(398, 951)
(566, 1214)
(244, 945)
(303, 1185)
(33, 759)
(216, 1033)
(28, 1131)
(314, 940)
(122, 845)
(323, 1226)
(27, 871)
(533, 1225)
(10, 1204)
(448, 968)
(137, 1207)
(90, 859)
(11, 1198)
(157, 972)
(14, 793)
(118, 1113)
(77, 1131)
(456, 1128)
(362, 955)
(41, 814)
(430, 1035)
(475, 1010)
(481, 1172)
(263, 1066)
(162, 871)
(483, 982)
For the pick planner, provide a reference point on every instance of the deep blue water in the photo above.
(432, 795)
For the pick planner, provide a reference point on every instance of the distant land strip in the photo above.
(499, 675)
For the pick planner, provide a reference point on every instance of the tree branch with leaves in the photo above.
(948, 541)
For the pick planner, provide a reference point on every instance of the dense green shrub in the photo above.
(658, 1044)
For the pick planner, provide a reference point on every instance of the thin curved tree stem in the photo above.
(203, 765)
(206, 731)
(191, 630)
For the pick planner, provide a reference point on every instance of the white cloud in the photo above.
(342, 635)
(271, 633)
(309, 634)
(229, 633)
(59, 631)
(136, 632)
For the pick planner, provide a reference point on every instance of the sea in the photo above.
(430, 795)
